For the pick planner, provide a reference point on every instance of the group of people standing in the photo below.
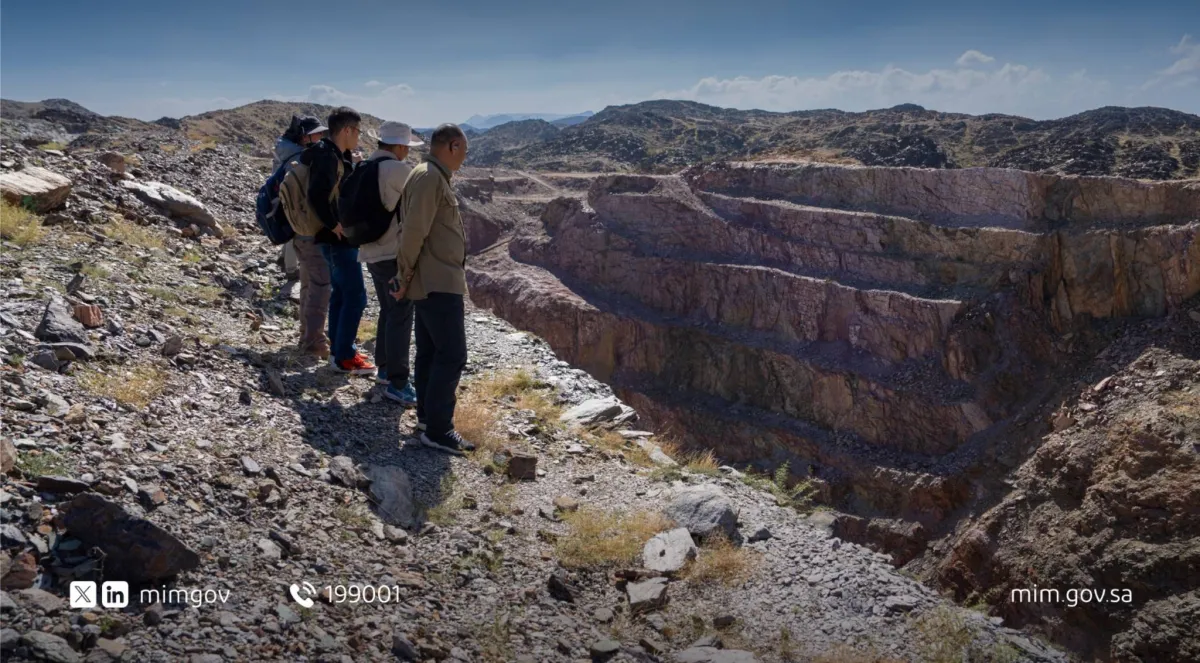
(417, 265)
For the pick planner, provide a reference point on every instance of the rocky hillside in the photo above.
(665, 136)
(158, 429)
(900, 340)
(58, 121)
(491, 146)
(257, 126)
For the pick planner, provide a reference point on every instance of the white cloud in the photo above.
(1184, 71)
(973, 57)
(373, 84)
(1189, 60)
(1010, 88)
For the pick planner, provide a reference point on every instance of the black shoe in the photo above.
(451, 443)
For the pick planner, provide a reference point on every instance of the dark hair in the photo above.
(445, 134)
(294, 133)
(341, 118)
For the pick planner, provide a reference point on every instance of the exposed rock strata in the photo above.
(825, 315)
(888, 333)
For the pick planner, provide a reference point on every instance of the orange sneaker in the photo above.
(356, 365)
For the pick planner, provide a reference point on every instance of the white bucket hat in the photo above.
(398, 133)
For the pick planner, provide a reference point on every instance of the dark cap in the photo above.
(311, 125)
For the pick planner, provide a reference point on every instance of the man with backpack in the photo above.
(431, 260)
(328, 163)
(368, 208)
(302, 132)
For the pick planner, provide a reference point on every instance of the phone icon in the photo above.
(304, 601)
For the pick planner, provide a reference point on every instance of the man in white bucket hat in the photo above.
(393, 335)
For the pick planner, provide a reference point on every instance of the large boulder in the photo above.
(37, 188)
(669, 551)
(58, 325)
(177, 204)
(704, 511)
(392, 492)
(135, 549)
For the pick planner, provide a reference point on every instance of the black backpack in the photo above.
(360, 209)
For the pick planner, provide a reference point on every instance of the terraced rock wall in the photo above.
(878, 329)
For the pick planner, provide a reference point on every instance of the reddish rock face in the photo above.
(879, 328)
(89, 315)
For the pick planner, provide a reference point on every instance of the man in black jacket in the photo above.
(330, 162)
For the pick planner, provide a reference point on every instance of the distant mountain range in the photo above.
(485, 122)
(664, 136)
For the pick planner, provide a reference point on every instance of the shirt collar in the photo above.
(440, 166)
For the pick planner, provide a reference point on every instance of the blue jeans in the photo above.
(347, 301)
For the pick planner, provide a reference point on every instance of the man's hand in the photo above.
(339, 231)
(397, 288)
(356, 156)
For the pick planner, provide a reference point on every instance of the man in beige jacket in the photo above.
(431, 260)
(393, 334)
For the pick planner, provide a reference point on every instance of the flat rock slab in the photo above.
(38, 188)
(391, 490)
(42, 600)
(647, 595)
(136, 549)
(703, 510)
(713, 655)
(49, 647)
(59, 324)
(174, 202)
(669, 551)
(61, 485)
(598, 411)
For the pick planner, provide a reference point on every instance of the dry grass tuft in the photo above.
(477, 420)
(127, 232)
(514, 383)
(478, 414)
(945, 636)
(19, 225)
(847, 654)
(367, 328)
(600, 539)
(721, 561)
(701, 463)
(446, 510)
(613, 442)
(136, 388)
(209, 294)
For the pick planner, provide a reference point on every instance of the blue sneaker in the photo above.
(381, 376)
(406, 396)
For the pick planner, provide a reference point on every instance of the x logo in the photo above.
(83, 594)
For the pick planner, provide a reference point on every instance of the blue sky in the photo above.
(426, 63)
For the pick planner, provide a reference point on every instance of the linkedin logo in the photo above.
(114, 594)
